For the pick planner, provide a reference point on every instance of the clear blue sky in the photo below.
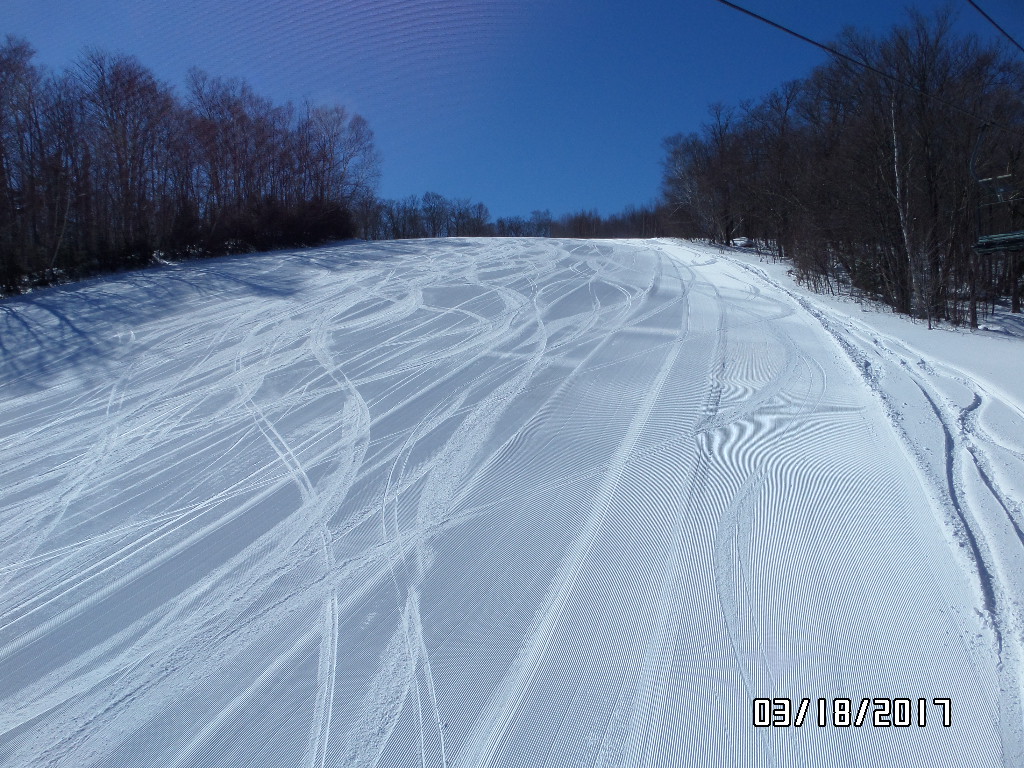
(521, 104)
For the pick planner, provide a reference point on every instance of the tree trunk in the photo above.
(1015, 286)
(972, 279)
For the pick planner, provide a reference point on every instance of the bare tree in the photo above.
(862, 174)
(436, 214)
(102, 166)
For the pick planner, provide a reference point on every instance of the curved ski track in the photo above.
(493, 503)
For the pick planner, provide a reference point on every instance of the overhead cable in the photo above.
(864, 65)
(992, 21)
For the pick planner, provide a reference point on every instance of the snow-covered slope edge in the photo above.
(967, 437)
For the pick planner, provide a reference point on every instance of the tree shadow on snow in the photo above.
(83, 326)
(1004, 323)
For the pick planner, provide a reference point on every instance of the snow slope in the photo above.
(495, 502)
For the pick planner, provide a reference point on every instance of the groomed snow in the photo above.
(496, 503)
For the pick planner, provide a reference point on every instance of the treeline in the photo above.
(864, 174)
(643, 221)
(434, 215)
(104, 167)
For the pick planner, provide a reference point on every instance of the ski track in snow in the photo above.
(493, 503)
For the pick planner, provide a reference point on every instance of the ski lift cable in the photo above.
(864, 65)
(992, 21)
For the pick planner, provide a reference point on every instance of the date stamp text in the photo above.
(844, 713)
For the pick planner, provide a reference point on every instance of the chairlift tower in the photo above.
(1000, 224)
(1000, 215)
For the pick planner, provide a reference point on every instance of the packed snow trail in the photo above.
(493, 503)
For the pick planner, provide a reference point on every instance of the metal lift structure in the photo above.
(1000, 226)
(1000, 215)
